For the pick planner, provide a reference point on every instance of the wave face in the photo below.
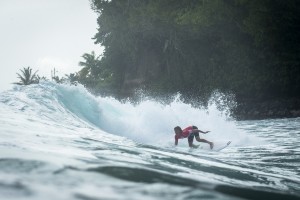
(61, 142)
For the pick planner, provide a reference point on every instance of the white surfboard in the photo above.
(218, 146)
(223, 147)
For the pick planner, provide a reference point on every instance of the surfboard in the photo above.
(218, 146)
(223, 147)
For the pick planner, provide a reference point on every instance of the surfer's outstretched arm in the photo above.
(199, 131)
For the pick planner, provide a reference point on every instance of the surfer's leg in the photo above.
(191, 139)
(197, 136)
(205, 141)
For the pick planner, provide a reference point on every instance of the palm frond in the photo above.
(27, 77)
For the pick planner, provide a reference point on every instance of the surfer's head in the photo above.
(177, 130)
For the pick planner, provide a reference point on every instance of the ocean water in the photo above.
(61, 142)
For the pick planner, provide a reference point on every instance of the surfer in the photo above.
(190, 132)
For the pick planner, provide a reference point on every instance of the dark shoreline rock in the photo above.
(271, 109)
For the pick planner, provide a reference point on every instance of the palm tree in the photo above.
(90, 65)
(27, 78)
(72, 77)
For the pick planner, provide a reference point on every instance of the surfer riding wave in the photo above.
(190, 132)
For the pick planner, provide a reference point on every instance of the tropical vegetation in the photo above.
(27, 77)
(249, 48)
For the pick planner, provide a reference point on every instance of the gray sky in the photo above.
(44, 34)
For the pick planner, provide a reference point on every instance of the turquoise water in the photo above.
(60, 142)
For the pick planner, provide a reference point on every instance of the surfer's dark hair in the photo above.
(177, 128)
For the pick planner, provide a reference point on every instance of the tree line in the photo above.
(246, 47)
(249, 48)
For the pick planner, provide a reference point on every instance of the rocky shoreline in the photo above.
(272, 109)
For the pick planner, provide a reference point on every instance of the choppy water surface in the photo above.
(60, 142)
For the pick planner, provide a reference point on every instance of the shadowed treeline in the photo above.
(246, 47)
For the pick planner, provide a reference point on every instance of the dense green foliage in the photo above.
(246, 47)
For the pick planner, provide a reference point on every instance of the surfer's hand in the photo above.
(206, 132)
(211, 144)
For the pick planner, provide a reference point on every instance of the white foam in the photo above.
(148, 122)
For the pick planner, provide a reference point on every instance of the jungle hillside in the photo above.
(246, 48)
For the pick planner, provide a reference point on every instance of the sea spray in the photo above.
(148, 122)
(152, 122)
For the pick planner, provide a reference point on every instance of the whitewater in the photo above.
(61, 142)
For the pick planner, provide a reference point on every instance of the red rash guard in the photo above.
(185, 133)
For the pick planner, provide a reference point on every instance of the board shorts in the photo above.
(192, 135)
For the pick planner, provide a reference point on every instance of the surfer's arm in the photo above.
(199, 131)
(176, 141)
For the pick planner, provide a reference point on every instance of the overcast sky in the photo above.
(44, 34)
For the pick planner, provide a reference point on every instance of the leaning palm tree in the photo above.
(26, 77)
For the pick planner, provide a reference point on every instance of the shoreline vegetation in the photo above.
(248, 48)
